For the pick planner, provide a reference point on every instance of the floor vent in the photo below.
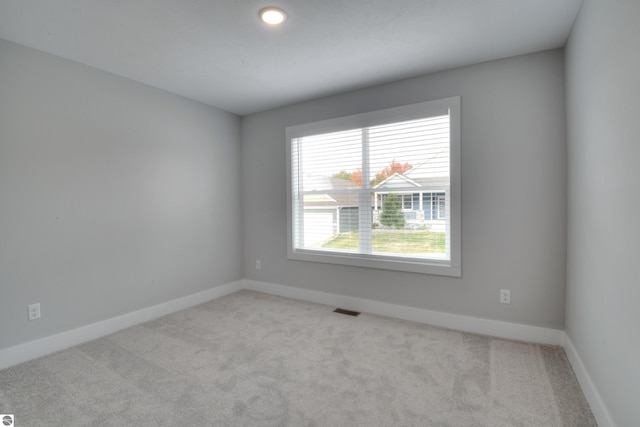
(347, 312)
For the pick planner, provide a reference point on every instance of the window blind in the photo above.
(377, 190)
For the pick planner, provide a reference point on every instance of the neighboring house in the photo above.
(424, 190)
(424, 200)
(329, 214)
(334, 212)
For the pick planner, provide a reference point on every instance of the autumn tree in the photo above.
(394, 167)
(356, 175)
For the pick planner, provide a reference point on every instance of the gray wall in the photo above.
(513, 193)
(603, 276)
(114, 196)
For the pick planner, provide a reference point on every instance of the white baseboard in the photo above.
(34, 349)
(41, 347)
(599, 409)
(476, 325)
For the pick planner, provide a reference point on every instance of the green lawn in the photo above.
(393, 241)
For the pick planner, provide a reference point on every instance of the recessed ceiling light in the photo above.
(272, 15)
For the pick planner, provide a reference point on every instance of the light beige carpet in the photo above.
(251, 359)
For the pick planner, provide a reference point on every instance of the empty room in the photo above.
(319, 213)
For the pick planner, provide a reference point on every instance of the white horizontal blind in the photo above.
(376, 191)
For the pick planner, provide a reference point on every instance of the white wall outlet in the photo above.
(505, 296)
(258, 264)
(34, 311)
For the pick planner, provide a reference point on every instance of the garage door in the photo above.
(318, 227)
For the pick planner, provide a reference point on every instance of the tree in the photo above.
(356, 175)
(343, 174)
(394, 167)
(392, 215)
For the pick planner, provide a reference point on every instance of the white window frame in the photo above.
(410, 196)
(449, 267)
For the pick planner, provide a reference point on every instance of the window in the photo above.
(434, 205)
(442, 212)
(379, 189)
(407, 201)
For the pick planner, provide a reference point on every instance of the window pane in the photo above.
(405, 160)
(406, 201)
(405, 157)
(426, 206)
(329, 178)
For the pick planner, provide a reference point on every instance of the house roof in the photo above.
(397, 181)
(332, 198)
(335, 197)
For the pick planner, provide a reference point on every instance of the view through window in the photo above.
(380, 192)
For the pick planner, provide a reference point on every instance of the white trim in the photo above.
(513, 331)
(43, 346)
(599, 409)
(24, 352)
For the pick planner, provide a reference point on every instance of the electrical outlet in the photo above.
(258, 265)
(34, 311)
(505, 296)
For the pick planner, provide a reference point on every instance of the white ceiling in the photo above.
(219, 53)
